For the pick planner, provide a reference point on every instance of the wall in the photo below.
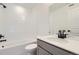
(58, 19)
(65, 17)
(41, 15)
(73, 19)
(20, 24)
(16, 24)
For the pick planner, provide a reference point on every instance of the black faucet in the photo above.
(1, 36)
(61, 34)
(2, 40)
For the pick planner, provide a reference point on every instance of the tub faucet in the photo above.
(3, 40)
(1, 36)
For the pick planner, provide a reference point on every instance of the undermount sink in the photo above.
(71, 37)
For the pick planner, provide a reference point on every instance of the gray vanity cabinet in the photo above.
(42, 52)
(45, 48)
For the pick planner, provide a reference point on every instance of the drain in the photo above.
(2, 46)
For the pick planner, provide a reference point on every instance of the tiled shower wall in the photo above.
(19, 23)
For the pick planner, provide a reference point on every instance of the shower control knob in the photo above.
(2, 46)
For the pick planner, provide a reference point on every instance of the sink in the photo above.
(55, 38)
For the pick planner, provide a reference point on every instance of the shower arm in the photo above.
(3, 5)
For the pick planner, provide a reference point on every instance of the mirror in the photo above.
(64, 16)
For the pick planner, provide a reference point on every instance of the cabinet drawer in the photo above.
(42, 51)
(53, 49)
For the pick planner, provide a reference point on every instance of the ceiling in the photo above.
(32, 5)
(56, 6)
(28, 5)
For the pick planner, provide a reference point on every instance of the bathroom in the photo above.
(23, 25)
(20, 24)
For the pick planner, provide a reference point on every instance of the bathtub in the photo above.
(11, 48)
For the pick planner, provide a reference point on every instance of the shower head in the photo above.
(3, 5)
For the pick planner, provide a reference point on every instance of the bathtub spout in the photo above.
(3, 40)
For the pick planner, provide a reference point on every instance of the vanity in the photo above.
(51, 45)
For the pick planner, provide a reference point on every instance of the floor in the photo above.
(18, 50)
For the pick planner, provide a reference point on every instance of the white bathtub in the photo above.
(10, 48)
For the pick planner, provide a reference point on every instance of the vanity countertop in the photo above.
(70, 44)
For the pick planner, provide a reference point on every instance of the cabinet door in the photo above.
(41, 51)
(53, 49)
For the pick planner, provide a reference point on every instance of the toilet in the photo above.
(31, 49)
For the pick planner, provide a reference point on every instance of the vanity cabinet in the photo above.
(41, 51)
(45, 48)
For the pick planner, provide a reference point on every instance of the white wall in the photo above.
(1, 20)
(65, 18)
(58, 19)
(16, 23)
(73, 19)
(21, 24)
(41, 15)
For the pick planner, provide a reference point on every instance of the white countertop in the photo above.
(70, 44)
